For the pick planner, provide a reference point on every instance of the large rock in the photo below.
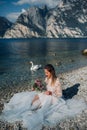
(68, 19)
(84, 52)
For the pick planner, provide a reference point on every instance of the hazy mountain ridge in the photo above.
(69, 19)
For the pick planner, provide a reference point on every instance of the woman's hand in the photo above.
(32, 89)
(48, 92)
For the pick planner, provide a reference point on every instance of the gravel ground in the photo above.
(74, 85)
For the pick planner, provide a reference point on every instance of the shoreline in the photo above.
(74, 85)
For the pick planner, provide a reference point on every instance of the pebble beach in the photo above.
(74, 85)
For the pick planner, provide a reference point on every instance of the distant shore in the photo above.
(74, 85)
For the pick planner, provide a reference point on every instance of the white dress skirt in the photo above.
(49, 110)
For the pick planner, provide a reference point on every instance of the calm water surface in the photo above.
(15, 55)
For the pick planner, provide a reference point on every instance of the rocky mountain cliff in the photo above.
(4, 25)
(68, 19)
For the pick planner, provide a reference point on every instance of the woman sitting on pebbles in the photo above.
(53, 88)
(47, 108)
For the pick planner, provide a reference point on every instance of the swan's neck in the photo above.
(32, 63)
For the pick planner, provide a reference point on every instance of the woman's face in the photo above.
(47, 73)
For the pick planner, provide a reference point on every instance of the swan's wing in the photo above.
(37, 67)
(34, 68)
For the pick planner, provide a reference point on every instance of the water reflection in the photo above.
(29, 48)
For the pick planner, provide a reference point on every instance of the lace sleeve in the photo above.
(58, 91)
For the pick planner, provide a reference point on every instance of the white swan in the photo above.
(34, 67)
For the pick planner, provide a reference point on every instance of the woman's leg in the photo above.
(35, 98)
(35, 103)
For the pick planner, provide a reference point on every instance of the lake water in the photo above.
(15, 55)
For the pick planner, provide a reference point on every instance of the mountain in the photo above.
(67, 19)
(4, 25)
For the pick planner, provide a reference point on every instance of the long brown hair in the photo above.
(51, 69)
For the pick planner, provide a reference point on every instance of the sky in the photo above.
(11, 9)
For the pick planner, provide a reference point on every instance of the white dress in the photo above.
(47, 100)
(49, 110)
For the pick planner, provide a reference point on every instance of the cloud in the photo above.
(50, 3)
(14, 15)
